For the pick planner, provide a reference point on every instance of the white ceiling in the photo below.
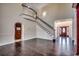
(36, 5)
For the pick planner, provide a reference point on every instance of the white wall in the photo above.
(9, 15)
(54, 12)
(50, 10)
(42, 33)
(74, 27)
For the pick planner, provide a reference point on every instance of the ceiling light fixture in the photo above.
(44, 13)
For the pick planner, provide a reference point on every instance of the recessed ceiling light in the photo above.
(44, 13)
(28, 6)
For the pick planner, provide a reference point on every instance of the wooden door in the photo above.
(18, 30)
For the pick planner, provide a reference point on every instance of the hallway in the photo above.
(38, 47)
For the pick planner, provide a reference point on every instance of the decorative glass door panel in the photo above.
(63, 31)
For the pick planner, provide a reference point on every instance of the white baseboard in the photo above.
(14, 41)
(22, 40)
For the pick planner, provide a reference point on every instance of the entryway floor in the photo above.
(33, 47)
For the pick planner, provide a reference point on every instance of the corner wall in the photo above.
(9, 15)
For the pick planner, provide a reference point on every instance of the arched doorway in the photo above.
(18, 31)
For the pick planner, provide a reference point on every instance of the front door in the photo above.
(63, 31)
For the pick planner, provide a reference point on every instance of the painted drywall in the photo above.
(9, 15)
(54, 12)
(50, 10)
(42, 33)
(74, 27)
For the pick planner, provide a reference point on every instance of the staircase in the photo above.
(32, 16)
(64, 45)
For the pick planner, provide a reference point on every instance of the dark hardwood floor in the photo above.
(33, 47)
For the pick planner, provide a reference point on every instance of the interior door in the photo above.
(18, 31)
